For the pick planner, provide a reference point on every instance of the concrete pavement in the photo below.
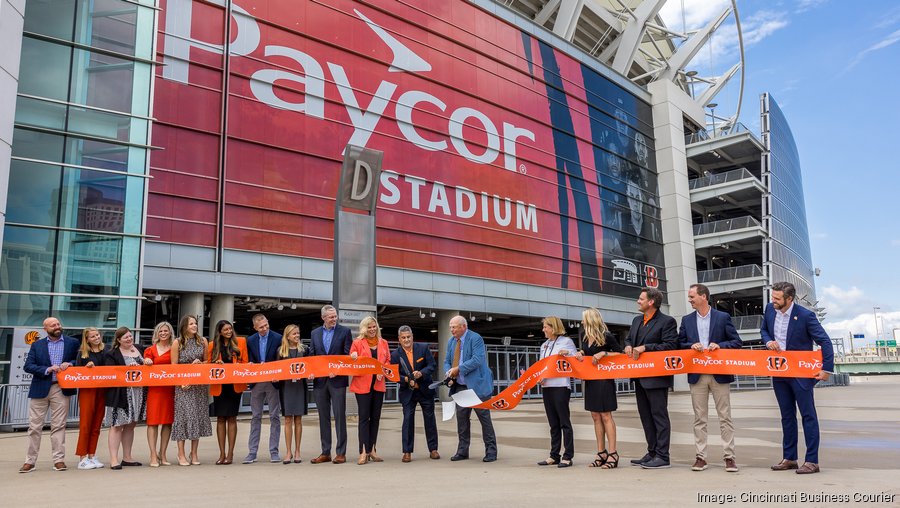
(859, 458)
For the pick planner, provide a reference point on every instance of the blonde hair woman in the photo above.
(160, 399)
(292, 393)
(600, 394)
(556, 393)
(369, 389)
(91, 401)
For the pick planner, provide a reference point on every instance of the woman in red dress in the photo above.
(160, 399)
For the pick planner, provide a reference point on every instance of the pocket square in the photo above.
(420, 359)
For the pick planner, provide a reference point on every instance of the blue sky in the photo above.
(832, 65)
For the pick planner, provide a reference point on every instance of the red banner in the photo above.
(739, 362)
(226, 373)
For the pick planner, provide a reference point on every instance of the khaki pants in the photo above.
(58, 404)
(722, 397)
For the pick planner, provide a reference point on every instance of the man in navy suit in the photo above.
(652, 331)
(789, 327)
(466, 364)
(262, 347)
(331, 392)
(708, 329)
(48, 357)
(416, 368)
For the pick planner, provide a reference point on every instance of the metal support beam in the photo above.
(689, 49)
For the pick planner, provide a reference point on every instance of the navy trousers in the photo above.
(792, 395)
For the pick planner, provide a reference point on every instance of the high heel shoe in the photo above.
(375, 458)
(363, 458)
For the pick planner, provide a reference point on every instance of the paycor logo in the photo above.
(178, 42)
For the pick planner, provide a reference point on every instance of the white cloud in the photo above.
(697, 13)
(820, 236)
(843, 304)
(864, 323)
(806, 5)
(890, 40)
(895, 242)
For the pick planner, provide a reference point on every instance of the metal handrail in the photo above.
(747, 322)
(728, 176)
(720, 132)
(720, 226)
(732, 273)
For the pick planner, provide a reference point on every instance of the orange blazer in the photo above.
(362, 384)
(216, 390)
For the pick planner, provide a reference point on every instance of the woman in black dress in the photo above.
(600, 394)
(226, 347)
(293, 395)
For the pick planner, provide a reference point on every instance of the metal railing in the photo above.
(718, 132)
(747, 322)
(735, 272)
(721, 226)
(715, 179)
(14, 408)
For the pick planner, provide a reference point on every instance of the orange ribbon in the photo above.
(225, 373)
(740, 362)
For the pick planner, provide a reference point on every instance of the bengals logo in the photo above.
(563, 366)
(500, 404)
(777, 364)
(651, 276)
(31, 337)
(388, 373)
(217, 373)
(673, 363)
(132, 376)
(298, 368)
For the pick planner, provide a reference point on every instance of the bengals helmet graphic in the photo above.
(298, 368)
(673, 363)
(777, 364)
(32, 337)
(388, 373)
(563, 366)
(133, 376)
(216, 373)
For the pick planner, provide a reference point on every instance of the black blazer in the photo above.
(659, 334)
(118, 397)
(340, 345)
(423, 362)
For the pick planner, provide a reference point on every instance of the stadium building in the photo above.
(168, 157)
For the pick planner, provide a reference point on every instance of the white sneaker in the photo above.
(86, 463)
(97, 463)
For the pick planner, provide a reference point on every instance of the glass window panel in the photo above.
(24, 310)
(107, 24)
(38, 113)
(55, 18)
(44, 69)
(88, 263)
(37, 145)
(104, 155)
(101, 124)
(26, 262)
(88, 310)
(102, 81)
(33, 193)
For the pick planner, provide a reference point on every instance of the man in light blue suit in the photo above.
(789, 327)
(466, 364)
(708, 329)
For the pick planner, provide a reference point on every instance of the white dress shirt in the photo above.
(552, 347)
(782, 320)
(703, 327)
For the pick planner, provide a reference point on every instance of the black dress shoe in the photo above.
(656, 463)
(131, 463)
(645, 458)
(117, 467)
(489, 458)
(459, 457)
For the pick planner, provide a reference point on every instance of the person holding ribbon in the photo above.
(556, 393)
(160, 399)
(292, 393)
(600, 394)
(191, 401)
(416, 369)
(226, 347)
(125, 406)
(91, 401)
(369, 389)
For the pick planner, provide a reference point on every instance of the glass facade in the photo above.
(788, 250)
(73, 236)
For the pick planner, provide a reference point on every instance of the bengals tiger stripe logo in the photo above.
(133, 376)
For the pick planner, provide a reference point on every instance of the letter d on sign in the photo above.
(360, 177)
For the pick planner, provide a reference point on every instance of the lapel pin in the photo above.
(795, 318)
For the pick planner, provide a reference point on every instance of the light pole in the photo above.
(875, 310)
(712, 110)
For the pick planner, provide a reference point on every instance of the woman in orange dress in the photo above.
(226, 347)
(160, 399)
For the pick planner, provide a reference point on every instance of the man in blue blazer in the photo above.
(331, 392)
(789, 327)
(466, 364)
(262, 347)
(416, 368)
(708, 329)
(48, 357)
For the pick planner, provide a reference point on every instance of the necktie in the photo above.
(456, 353)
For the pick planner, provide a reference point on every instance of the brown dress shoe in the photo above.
(60, 466)
(320, 459)
(435, 455)
(784, 465)
(26, 468)
(808, 468)
(731, 466)
(699, 464)
(339, 459)
(407, 457)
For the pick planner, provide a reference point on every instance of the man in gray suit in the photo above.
(331, 392)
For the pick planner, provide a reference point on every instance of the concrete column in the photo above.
(191, 305)
(222, 307)
(670, 106)
(443, 328)
(12, 17)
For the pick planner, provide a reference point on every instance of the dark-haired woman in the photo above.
(226, 347)
(125, 406)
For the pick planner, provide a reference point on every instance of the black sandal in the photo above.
(612, 461)
(601, 459)
(547, 462)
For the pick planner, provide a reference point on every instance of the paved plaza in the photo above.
(859, 457)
